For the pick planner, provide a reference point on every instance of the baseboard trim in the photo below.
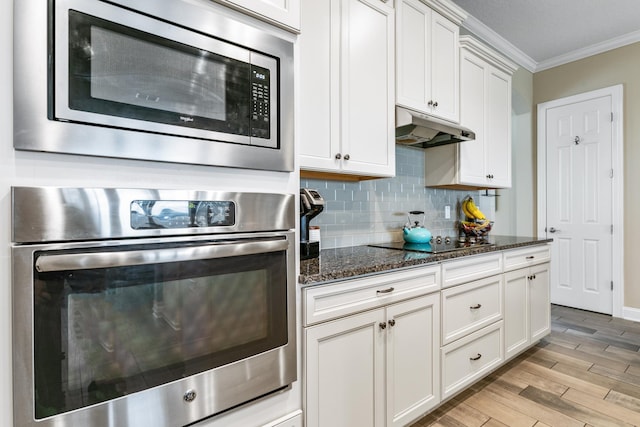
(630, 313)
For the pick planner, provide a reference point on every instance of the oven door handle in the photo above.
(92, 260)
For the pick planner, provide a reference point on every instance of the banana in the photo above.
(473, 209)
(465, 208)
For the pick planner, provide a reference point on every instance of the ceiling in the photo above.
(540, 34)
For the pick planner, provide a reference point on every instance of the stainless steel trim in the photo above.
(36, 130)
(46, 214)
(86, 261)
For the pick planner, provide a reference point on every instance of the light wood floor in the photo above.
(585, 373)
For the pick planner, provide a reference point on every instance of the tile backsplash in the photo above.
(374, 211)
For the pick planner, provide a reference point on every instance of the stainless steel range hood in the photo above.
(420, 130)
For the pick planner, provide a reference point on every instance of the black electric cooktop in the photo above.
(434, 247)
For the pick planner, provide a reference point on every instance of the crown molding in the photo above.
(449, 9)
(594, 49)
(500, 61)
(506, 48)
(499, 43)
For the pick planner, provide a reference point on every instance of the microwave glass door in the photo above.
(104, 332)
(172, 81)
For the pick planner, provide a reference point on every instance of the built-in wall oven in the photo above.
(164, 80)
(158, 308)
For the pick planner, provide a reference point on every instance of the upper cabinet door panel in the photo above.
(472, 116)
(498, 128)
(413, 22)
(444, 68)
(318, 60)
(368, 84)
(427, 64)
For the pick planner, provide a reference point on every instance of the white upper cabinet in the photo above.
(485, 108)
(347, 90)
(427, 51)
(285, 13)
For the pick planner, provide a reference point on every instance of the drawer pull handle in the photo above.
(385, 291)
(475, 307)
(530, 257)
(476, 357)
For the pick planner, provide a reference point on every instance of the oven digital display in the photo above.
(146, 214)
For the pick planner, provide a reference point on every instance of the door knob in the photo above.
(553, 230)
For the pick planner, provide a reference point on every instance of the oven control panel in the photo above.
(174, 214)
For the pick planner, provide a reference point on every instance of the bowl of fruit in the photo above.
(475, 223)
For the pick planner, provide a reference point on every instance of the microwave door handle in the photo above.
(92, 260)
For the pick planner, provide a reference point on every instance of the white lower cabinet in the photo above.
(376, 368)
(471, 358)
(527, 307)
(386, 349)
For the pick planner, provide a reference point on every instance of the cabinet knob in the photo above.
(489, 176)
(383, 325)
(347, 157)
(435, 104)
(338, 156)
(392, 322)
(430, 103)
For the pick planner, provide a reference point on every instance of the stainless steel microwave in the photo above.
(169, 80)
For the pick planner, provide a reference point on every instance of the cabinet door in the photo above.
(319, 112)
(427, 48)
(444, 68)
(472, 155)
(498, 129)
(285, 12)
(413, 342)
(344, 372)
(368, 87)
(413, 51)
(516, 311)
(539, 302)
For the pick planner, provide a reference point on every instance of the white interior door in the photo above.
(579, 202)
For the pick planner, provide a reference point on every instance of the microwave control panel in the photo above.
(260, 102)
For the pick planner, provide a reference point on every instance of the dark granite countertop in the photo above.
(350, 262)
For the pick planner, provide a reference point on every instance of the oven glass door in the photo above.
(108, 323)
(127, 70)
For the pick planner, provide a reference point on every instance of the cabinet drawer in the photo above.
(326, 302)
(471, 268)
(519, 258)
(471, 358)
(470, 307)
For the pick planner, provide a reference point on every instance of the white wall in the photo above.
(44, 169)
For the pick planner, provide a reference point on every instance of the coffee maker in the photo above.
(311, 204)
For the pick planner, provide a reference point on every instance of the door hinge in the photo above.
(611, 173)
(611, 228)
(612, 116)
(612, 285)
